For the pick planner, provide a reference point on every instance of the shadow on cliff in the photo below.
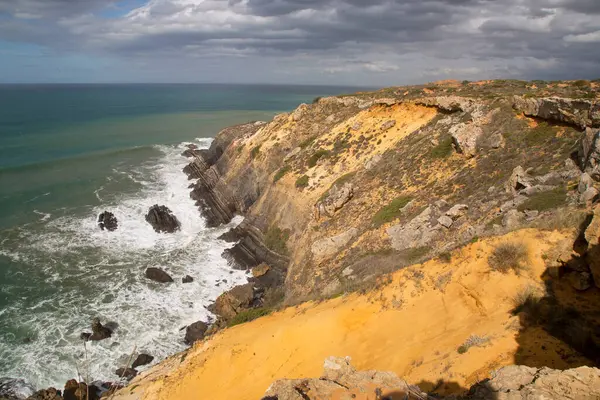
(560, 329)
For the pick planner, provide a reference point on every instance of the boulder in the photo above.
(585, 182)
(465, 138)
(142, 359)
(445, 221)
(79, 391)
(260, 270)
(329, 246)
(579, 280)
(336, 198)
(588, 196)
(99, 331)
(518, 181)
(127, 373)
(13, 388)
(419, 232)
(230, 303)
(46, 394)
(388, 124)
(512, 219)
(518, 382)
(108, 221)
(195, 332)
(158, 275)
(373, 161)
(162, 219)
(341, 381)
(457, 210)
(187, 279)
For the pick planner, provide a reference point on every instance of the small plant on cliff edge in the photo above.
(509, 255)
(255, 151)
(391, 211)
(312, 161)
(276, 239)
(249, 315)
(282, 171)
(302, 182)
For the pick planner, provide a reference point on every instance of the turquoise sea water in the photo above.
(70, 152)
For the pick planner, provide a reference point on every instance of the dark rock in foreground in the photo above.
(142, 359)
(162, 219)
(108, 221)
(79, 391)
(187, 279)
(195, 332)
(99, 331)
(158, 275)
(46, 394)
(127, 373)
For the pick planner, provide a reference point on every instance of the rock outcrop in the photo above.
(579, 112)
(230, 303)
(99, 331)
(46, 394)
(141, 360)
(195, 332)
(341, 381)
(162, 219)
(158, 275)
(527, 383)
(108, 221)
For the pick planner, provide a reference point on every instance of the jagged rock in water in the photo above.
(46, 394)
(230, 303)
(79, 391)
(518, 382)
(187, 279)
(195, 332)
(341, 381)
(108, 221)
(158, 275)
(127, 373)
(99, 331)
(162, 219)
(142, 359)
(579, 112)
(12, 388)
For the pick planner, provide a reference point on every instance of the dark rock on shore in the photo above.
(162, 219)
(108, 221)
(195, 332)
(158, 275)
(46, 394)
(11, 388)
(142, 359)
(187, 279)
(127, 373)
(79, 391)
(99, 331)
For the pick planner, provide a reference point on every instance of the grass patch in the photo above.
(415, 254)
(249, 315)
(302, 182)
(540, 134)
(545, 200)
(391, 211)
(276, 239)
(312, 161)
(472, 341)
(443, 149)
(525, 299)
(509, 255)
(304, 144)
(581, 83)
(255, 152)
(282, 171)
(445, 257)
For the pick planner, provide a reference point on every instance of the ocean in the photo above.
(69, 152)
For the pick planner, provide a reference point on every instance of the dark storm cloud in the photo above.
(519, 37)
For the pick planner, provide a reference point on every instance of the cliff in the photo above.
(444, 230)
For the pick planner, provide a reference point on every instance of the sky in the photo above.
(344, 42)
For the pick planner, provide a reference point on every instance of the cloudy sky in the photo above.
(358, 42)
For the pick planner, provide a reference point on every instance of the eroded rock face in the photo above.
(158, 275)
(578, 112)
(589, 153)
(341, 381)
(162, 219)
(420, 231)
(518, 382)
(337, 197)
(230, 303)
(465, 138)
(108, 221)
(195, 332)
(327, 247)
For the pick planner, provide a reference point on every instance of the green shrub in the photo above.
(443, 148)
(462, 349)
(282, 171)
(307, 142)
(445, 257)
(391, 211)
(509, 255)
(580, 83)
(312, 161)
(465, 82)
(472, 341)
(302, 182)
(248, 315)
(255, 151)
(545, 200)
(276, 239)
